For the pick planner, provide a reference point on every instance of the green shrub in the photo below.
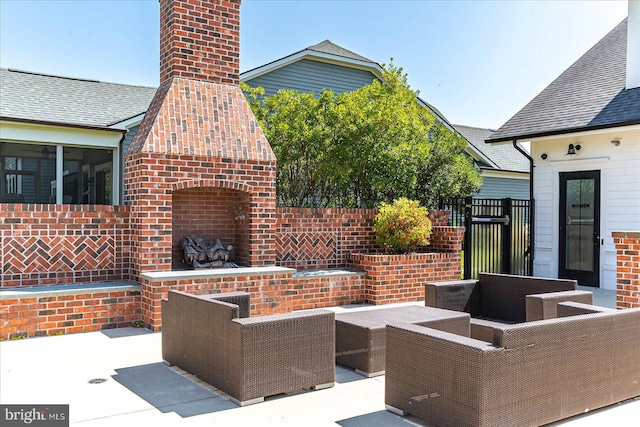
(402, 226)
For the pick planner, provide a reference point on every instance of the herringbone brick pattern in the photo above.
(35, 254)
(295, 246)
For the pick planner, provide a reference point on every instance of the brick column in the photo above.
(628, 268)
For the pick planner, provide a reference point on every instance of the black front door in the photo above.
(580, 227)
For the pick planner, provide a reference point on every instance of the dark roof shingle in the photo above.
(333, 49)
(590, 94)
(504, 156)
(53, 99)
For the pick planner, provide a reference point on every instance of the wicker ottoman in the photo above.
(360, 335)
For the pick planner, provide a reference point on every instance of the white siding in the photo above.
(620, 192)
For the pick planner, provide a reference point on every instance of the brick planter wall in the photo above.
(401, 278)
(323, 238)
(80, 311)
(628, 271)
(43, 245)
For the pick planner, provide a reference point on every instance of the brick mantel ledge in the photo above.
(215, 272)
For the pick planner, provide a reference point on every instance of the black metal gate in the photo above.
(497, 235)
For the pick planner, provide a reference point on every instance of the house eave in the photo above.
(478, 155)
(61, 124)
(504, 173)
(128, 122)
(556, 132)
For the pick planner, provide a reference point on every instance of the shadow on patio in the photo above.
(168, 391)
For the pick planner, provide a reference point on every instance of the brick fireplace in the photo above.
(199, 163)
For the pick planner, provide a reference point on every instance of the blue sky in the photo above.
(478, 62)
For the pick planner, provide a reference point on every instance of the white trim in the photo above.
(59, 174)
(584, 133)
(477, 154)
(129, 123)
(375, 68)
(49, 134)
(575, 160)
(115, 177)
(501, 173)
(215, 272)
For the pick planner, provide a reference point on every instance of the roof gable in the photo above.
(590, 94)
(327, 51)
(323, 51)
(333, 49)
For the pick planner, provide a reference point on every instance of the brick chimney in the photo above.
(199, 162)
(633, 45)
(200, 40)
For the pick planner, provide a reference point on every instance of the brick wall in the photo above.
(68, 234)
(401, 278)
(43, 245)
(323, 238)
(270, 293)
(63, 314)
(628, 268)
(446, 238)
(200, 39)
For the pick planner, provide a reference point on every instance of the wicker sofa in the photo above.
(533, 373)
(498, 299)
(247, 358)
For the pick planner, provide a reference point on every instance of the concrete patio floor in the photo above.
(139, 390)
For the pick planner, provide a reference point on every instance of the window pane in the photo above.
(580, 224)
(28, 174)
(23, 180)
(87, 175)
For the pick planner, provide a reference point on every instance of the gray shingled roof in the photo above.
(39, 97)
(503, 155)
(333, 49)
(590, 94)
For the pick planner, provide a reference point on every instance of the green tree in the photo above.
(360, 148)
(299, 128)
(447, 172)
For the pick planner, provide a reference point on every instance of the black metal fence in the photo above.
(497, 234)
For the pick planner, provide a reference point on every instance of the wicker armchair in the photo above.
(532, 374)
(497, 299)
(247, 358)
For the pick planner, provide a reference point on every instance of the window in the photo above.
(29, 174)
